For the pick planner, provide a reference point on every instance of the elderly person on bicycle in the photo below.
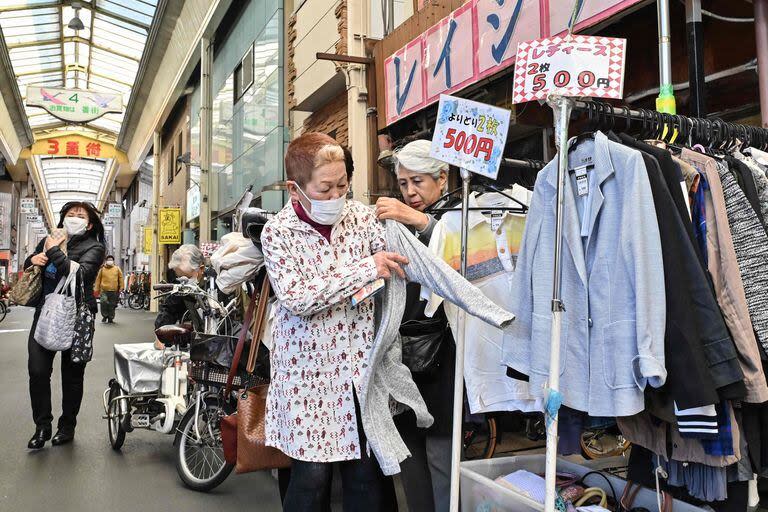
(186, 261)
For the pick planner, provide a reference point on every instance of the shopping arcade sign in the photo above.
(477, 40)
(74, 105)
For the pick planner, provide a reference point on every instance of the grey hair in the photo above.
(414, 156)
(186, 258)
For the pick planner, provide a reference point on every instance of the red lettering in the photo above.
(539, 82)
(485, 146)
(450, 137)
(53, 147)
(461, 138)
(562, 78)
(471, 144)
(533, 68)
(586, 78)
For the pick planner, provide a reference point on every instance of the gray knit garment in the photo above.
(387, 376)
(751, 244)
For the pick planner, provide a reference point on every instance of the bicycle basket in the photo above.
(218, 349)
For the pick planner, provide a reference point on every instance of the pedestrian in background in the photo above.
(108, 285)
(84, 245)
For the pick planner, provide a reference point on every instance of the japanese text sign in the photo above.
(27, 205)
(74, 105)
(572, 65)
(74, 145)
(147, 246)
(169, 231)
(470, 135)
(475, 41)
(115, 210)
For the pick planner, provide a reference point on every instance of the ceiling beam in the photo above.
(61, 4)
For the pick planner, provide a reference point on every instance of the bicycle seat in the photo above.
(170, 335)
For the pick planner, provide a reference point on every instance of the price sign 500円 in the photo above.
(571, 65)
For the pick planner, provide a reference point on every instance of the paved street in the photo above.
(87, 475)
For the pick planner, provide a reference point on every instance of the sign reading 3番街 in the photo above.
(470, 135)
(74, 105)
(570, 65)
(169, 229)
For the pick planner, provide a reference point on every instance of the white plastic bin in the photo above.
(479, 492)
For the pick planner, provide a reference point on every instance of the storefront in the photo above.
(249, 132)
(467, 50)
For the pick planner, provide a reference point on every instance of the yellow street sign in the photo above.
(75, 146)
(147, 240)
(169, 231)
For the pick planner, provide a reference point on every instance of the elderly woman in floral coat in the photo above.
(320, 250)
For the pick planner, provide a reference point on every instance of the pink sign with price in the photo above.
(571, 65)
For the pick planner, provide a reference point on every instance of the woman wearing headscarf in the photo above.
(426, 475)
(84, 245)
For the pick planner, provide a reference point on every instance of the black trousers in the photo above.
(40, 366)
(364, 486)
(108, 304)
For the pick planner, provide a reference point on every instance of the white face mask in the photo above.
(325, 212)
(75, 225)
(110, 263)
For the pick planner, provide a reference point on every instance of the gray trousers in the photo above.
(108, 304)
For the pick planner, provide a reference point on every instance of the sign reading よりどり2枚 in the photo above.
(470, 135)
(477, 40)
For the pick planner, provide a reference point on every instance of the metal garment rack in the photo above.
(712, 132)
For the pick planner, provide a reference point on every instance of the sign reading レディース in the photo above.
(476, 41)
(572, 65)
(169, 230)
(27, 205)
(74, 105)
(470, 135)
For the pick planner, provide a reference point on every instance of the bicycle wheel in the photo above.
(114, 422)
(135, 301)
(3, 310)
(480, 439)
(200, 460)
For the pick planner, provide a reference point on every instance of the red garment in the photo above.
(323, 229)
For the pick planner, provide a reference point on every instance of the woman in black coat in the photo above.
(85, 245)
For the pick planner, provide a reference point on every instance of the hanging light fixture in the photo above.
(76, 23)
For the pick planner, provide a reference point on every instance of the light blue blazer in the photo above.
(612, 341)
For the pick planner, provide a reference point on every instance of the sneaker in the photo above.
(103, 320)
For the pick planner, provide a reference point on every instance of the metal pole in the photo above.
(761, 42)
(155, 256)
(206, 136)
(696, 77)
(666, 100)
(458, 379)
(561, 107)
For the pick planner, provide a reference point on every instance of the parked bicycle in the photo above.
(150, 389)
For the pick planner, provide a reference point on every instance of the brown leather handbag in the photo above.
(252, 454)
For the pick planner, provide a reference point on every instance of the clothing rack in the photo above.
(712, 132)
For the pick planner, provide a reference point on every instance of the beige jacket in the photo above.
(729, 288)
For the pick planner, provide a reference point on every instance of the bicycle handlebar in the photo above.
(163, 287)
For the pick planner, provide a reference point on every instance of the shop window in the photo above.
(171, 163)
(179, 151)
(244, 75)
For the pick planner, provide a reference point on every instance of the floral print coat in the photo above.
(321, 344)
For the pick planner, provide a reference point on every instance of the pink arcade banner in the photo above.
(475, 41)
